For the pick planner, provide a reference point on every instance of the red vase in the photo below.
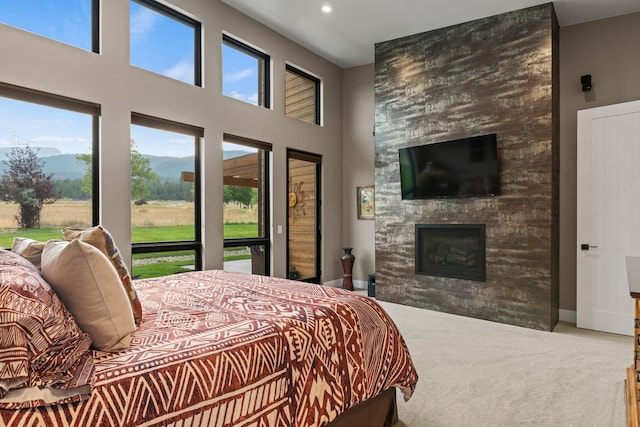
(347, 260)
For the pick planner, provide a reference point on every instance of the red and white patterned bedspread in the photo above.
(228, 349)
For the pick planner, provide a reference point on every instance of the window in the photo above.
(165, 196)
(165, 41)
(246, 205)
(56, 137)
(302, 95)
(74, 23)
(245, 72)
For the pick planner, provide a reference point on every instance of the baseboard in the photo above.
(357, 284)
(568, 316)
(334, 283)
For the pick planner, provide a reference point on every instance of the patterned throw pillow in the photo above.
(45, 357)
(99, 237)
(29, 249)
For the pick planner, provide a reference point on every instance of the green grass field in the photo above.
(155, 222)
(138, 234)
(184, 259)
(163, 268)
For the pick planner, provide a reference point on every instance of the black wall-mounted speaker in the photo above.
(586, 82)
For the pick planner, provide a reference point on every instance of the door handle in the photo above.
(586, 246)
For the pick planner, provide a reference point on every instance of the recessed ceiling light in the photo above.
(326, 8)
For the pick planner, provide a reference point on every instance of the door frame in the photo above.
(584, 219)
(317, 159)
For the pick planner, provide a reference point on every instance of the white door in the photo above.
(608, 218)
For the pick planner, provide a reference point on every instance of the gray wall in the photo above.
(107, 79)
(358, 170)
(609, 50)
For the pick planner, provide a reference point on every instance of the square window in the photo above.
(165, 41)
(245, 72)
(67, 22)
(302, 95)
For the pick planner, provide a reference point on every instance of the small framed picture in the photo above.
(366, 202)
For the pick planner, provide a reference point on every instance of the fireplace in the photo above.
(451, 250)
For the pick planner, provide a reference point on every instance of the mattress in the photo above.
(220, 348)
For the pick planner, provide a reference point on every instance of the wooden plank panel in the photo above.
(300, 100)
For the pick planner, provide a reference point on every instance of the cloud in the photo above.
(252, 99)
(45, 141)
(236, 95)
(142, 23)
(65, 144)
(6, 142)
(166, 144)
(183, 71)
(235, 77)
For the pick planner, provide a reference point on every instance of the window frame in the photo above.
(264, 240)
(264, 91)
(95, 26)
(317, 83)
(34, 96)
(177, 245)
(94, 43)
(183, 19)
(316, 159)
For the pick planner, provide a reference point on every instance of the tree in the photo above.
(141, 173)
(26, 184)
(87, 179)
(243, 195)
(70, 189)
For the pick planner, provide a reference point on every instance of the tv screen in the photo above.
(465, 167)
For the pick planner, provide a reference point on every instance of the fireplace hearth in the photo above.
(451, 250)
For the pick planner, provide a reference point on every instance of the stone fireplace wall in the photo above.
(498, 74)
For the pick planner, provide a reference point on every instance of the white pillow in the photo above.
(88, 284)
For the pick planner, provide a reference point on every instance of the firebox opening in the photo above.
(451, 250)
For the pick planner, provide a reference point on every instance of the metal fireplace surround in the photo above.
(451, 250)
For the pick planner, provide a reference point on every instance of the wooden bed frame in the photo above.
(379, 411)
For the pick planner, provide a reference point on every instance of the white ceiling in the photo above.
(347, 35)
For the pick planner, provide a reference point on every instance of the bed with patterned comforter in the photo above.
(217, 348)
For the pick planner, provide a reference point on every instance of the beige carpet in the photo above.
(479, 373)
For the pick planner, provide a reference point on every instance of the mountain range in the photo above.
(65, 166)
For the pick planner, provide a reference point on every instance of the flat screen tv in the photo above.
(465, 167)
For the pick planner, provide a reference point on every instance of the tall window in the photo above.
(246, 205)
(302, 95)
(48, 164)
(165, 197)
(245, 72)
(71, 22)
(304, 172)
(165, 41)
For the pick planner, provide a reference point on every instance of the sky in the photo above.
(157, 43)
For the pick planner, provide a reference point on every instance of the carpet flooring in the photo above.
(479, 373)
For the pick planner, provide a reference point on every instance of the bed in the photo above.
(217, 348)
